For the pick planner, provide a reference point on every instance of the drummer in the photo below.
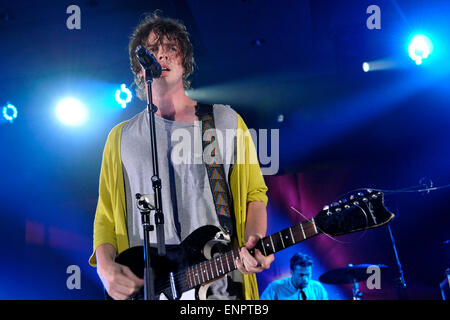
(299, 285)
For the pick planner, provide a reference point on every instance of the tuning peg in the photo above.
(347, 206)
(356, 203)
(327, 209)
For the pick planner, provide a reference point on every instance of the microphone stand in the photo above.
(149, 286)
(401, 284)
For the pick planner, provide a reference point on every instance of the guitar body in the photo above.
(178, 257)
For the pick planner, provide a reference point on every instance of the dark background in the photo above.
(343, 129)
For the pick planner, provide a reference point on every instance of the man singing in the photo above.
(188, 202)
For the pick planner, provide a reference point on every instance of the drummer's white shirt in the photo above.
(283, 289)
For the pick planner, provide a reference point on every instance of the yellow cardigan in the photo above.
(246, 183)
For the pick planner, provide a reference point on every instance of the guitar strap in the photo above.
(216, 173)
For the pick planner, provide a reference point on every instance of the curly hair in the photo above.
(162, 27)
(300, 259)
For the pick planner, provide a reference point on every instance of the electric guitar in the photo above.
(187, 269)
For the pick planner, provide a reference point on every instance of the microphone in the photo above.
(148, 61)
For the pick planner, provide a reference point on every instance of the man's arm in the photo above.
(256, 223)
(119, 280)
(255, 229)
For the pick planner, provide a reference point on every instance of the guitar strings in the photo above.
(331, 237)
(198, 277)
(181, 277)
(413, 189)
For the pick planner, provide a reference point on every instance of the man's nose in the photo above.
(162, 54)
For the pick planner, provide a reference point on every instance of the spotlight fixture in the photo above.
(71, 112)
(420, 47)
(120, 93)
(9, 112)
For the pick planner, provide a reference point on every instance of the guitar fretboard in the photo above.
(221, 265)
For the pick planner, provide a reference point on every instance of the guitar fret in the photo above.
(314, 224)
(284, 235)
(292, 236)
(234, 259)
(210, 268)
(188, 276)
(198, 275)
(271, 241)
(281, 237)
(204, 273)
(201, 273)
(191, 276)
(220, 260)
(217, 270)
(303, 231)
(228, 265)
(205, 270)
(263, 246)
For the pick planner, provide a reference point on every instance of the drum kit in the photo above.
(352, 274)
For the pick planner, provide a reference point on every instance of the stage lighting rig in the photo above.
(9, 112)
(420, 47)
(120, 93)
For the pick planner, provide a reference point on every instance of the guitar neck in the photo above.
(221, 265)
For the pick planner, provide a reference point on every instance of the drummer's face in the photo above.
(301, 276)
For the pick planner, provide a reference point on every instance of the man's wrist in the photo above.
(105, 254)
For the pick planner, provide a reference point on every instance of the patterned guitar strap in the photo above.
(216, 173)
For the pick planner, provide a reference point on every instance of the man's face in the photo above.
(301, 276)
(167, 53)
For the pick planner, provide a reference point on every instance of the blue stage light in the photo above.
(71, 112)
(9, 112)
(420, 47)
(366, 67)
(119, 95)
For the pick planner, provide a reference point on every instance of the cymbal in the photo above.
(348, 274)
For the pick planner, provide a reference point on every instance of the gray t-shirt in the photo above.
(187, 201)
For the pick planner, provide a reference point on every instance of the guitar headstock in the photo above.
(361, 211)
